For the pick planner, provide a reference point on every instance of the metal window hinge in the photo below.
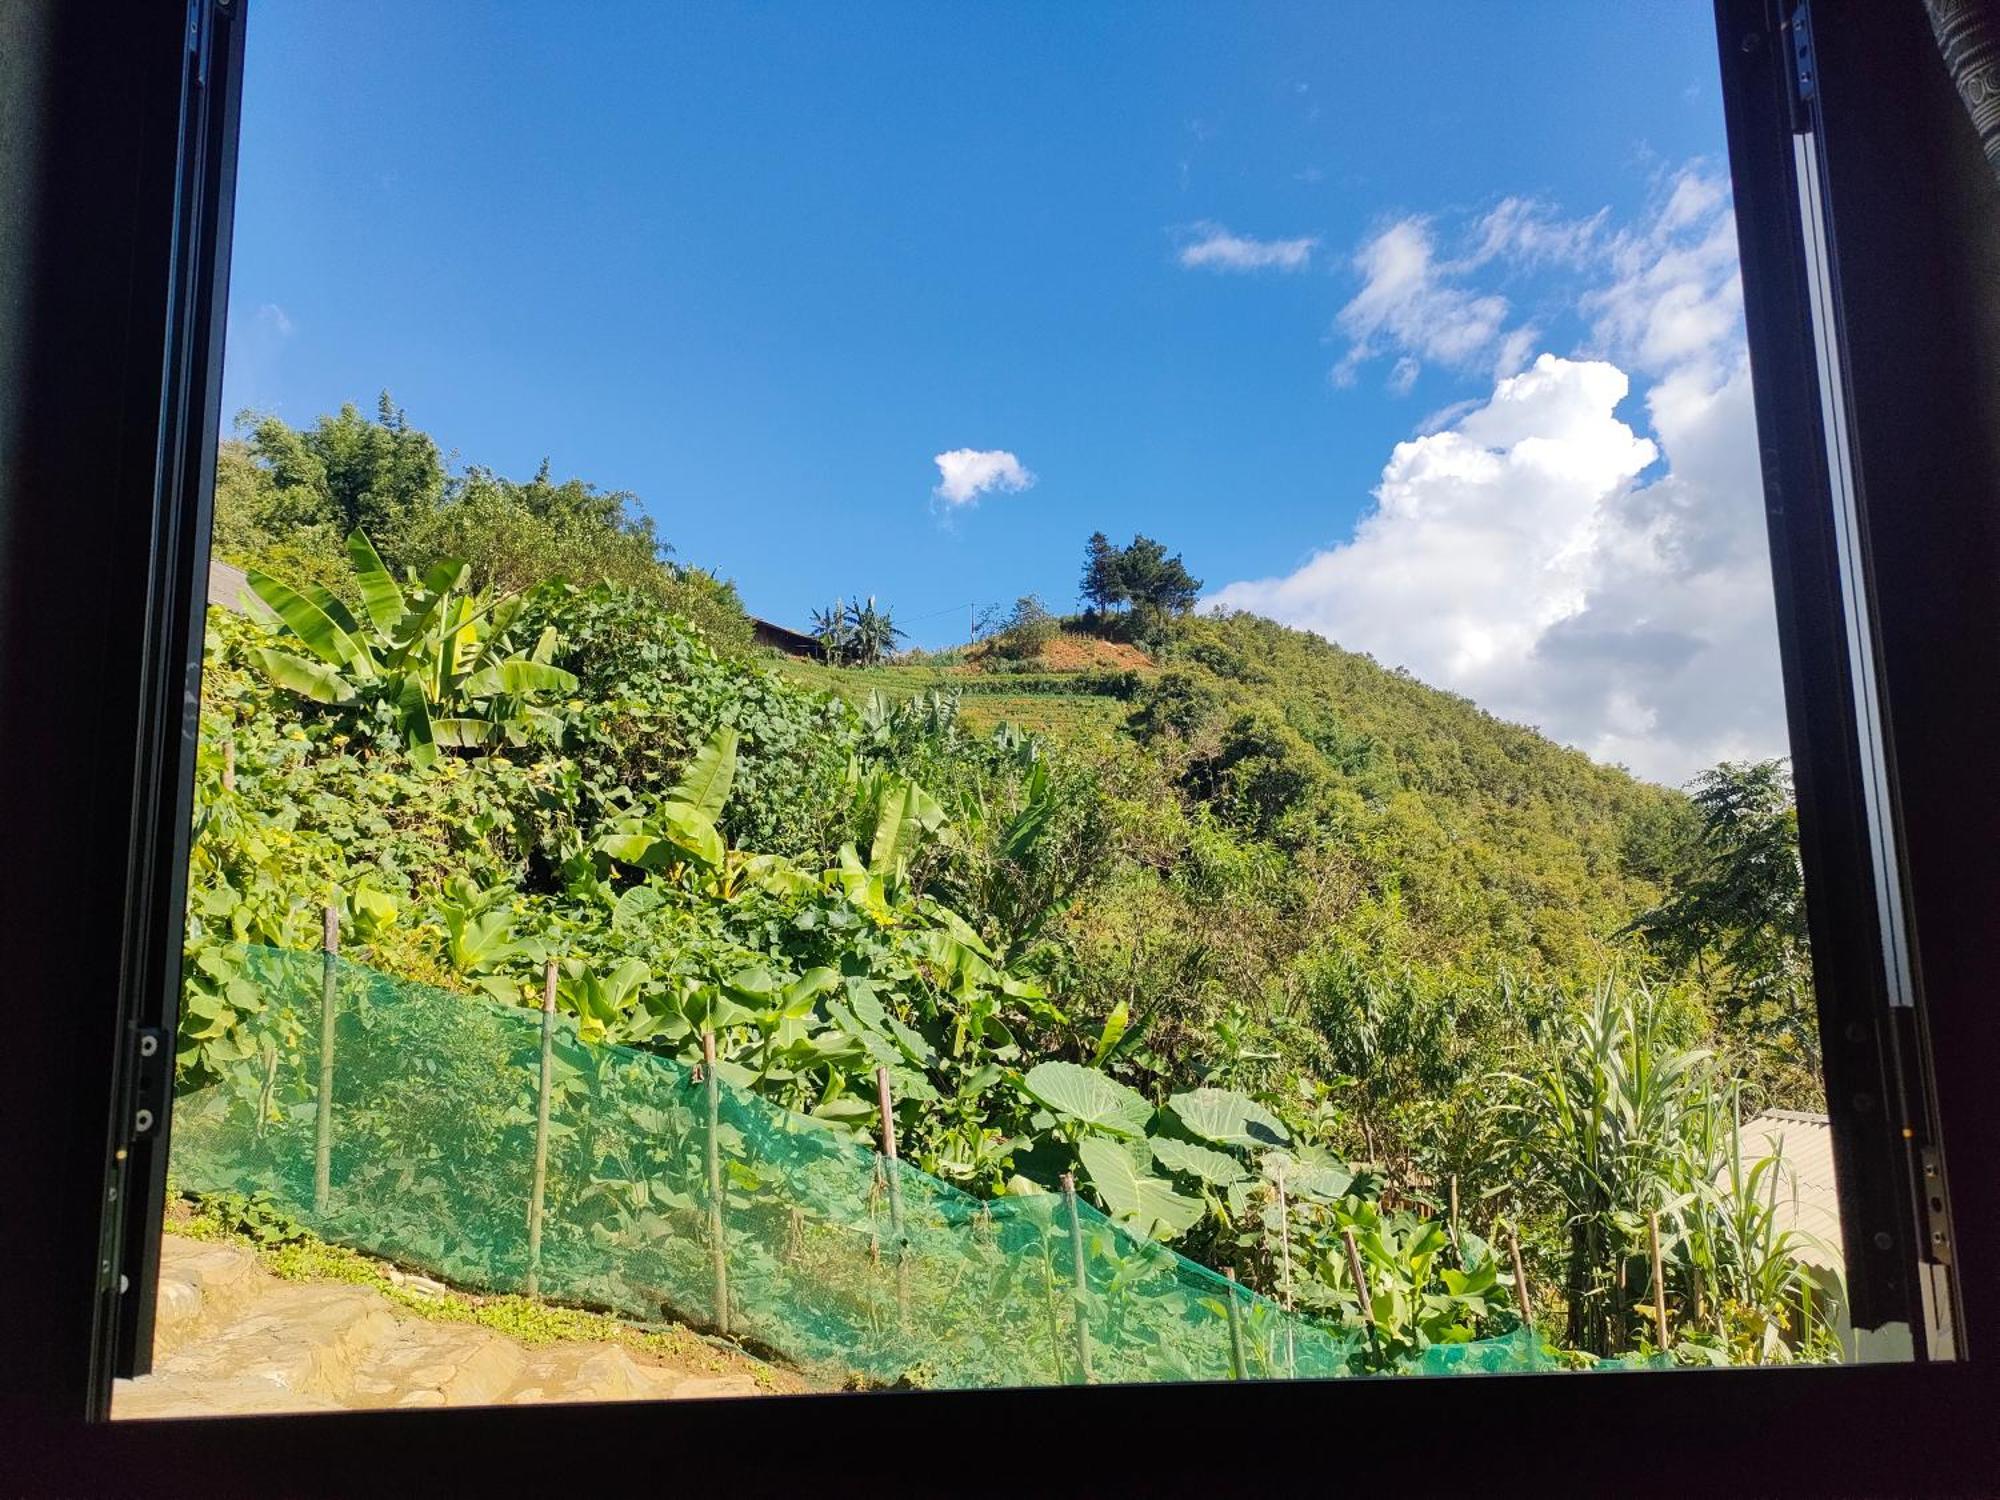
(152, 1073)
(1801, 68)
(1937, 1214)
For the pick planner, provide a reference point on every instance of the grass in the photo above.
(293, 1253)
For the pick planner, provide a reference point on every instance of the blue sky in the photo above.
(763, 265)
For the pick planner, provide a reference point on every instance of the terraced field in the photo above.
(1078, 702)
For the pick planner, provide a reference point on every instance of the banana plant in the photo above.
(905, 814)
(680, 830)
(479, 937)
(441, 660)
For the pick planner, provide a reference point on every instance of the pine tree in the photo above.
(1103, 583)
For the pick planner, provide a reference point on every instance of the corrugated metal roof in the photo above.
(1808, 1200)
(228, 586)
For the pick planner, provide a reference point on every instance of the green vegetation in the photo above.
(1270, 945)
(856, 634)
(1138, 590)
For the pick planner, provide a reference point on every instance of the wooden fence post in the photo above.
(718, 1249)
(1076, 1265)
(1361, 1290)
(1235, 1328)
(1520, 1280)
(323, 1125)
(539, 1186)
(1659, 1282)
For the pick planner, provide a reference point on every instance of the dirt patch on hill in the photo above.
(1070, 652)
(1086, 653)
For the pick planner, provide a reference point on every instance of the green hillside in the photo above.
(1234, 910)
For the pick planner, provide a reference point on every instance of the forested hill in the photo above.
(1441, 837)
(1129, 876)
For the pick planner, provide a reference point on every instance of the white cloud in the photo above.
(964, 474)
(271, 316)
(1214, 248)
(1408, 301)
(1528, 231)
(1532, 551)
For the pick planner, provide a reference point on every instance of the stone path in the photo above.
(232, 1338)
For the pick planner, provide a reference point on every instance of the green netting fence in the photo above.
(405, 1121)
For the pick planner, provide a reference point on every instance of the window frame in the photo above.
(122, 360)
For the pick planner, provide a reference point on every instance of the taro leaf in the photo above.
(1225, 1118)
(634, 904)
(1087, 1096)
(1305, 1179)
(1213, 1167)
(1145, 1203)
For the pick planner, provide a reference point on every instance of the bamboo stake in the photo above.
(1235, 1329)
(886, 1106)
(1659, 1282)
(1520, 1281)
(323, 1124)
(229, 765)
(1285, 1245)
(894, 1171)
(539, 1187)
(1082, 1285)
(1285, 1241)
(1361, 1290)
(1457, 1249)
(718, 1250)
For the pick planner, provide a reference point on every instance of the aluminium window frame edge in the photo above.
(1879, 1427)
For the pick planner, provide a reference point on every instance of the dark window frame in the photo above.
(109, 341)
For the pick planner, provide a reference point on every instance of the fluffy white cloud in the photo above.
(1214, 248)
(1532, 551)
(964, 474)
(1409, 300)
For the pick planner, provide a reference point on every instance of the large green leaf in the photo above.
(1114, 1029)
(1217, 1168)
(462, 734)
(414, 717)
(321, 621)
(1226, 1118)
(1306, 1179)
(380, 597)
(309, 679)
(693, 832)
(1087, 1096)
(1143, 1202)
(907, 812)
(706, 783)
(520, 677)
